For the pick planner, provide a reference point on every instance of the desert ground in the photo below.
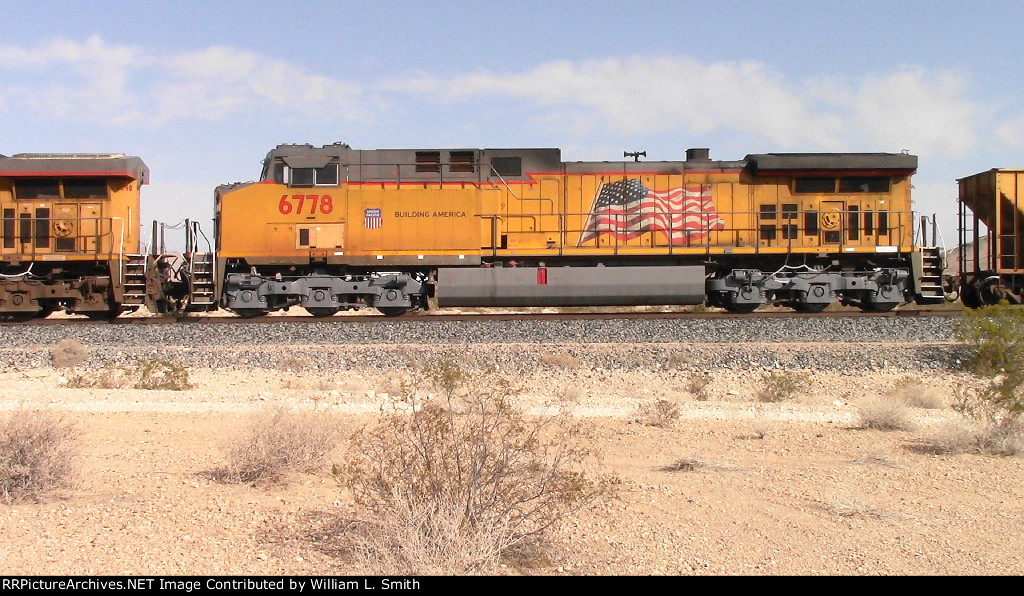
(728, 485)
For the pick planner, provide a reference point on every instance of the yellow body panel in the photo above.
(267, 221)
(63, 228)
(548, 215)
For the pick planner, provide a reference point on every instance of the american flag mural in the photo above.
(627, 209)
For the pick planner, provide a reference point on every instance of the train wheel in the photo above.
(992, 291)
(392, 311)
(810, 307)
(17, 317)
(103, 315)
(250, 313)
(742, 308)
(322, 312)
(969, 296)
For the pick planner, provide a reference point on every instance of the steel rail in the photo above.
(491, 316)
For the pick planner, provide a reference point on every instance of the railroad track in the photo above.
(504, 316)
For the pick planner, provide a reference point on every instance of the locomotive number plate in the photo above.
(311, 203)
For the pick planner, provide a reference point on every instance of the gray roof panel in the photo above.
(105, 165)
(801, 162)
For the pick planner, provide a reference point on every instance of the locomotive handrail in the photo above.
(502, 178)
(120, 250)
(29, 237)
(894, 232)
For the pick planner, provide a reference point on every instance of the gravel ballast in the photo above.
(910, 342)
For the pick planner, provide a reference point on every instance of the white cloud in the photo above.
(69, 79)
(911, 109)
(926, 112)
(644, 94)
(93, 81)
(217, 81)
(92, 52)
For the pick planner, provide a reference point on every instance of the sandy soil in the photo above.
(779, 488)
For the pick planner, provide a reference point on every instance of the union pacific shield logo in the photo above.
(372, 219)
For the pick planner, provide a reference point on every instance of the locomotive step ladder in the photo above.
(134, 281)
(930, 290)
(202, 269)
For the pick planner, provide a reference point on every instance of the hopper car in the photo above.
(990, 253)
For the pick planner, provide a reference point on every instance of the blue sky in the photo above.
(202, 90)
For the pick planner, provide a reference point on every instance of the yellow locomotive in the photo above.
(69, 237)
(332, 228)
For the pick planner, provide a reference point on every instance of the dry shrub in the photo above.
(39, 455)
(955, 436)
(779, 385)
(109, 377)
(688, 463)
(679, 360)
(68, 353)
(699, 386)
(992, 406)
(917, 395)
(984, 427)
(455, 479)
(276, 442)
(166, 375)
(661, 413)
(885, 414)
(760, 430)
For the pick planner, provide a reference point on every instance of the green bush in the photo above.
(993, 403)
(994, 336)
(109, 377)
